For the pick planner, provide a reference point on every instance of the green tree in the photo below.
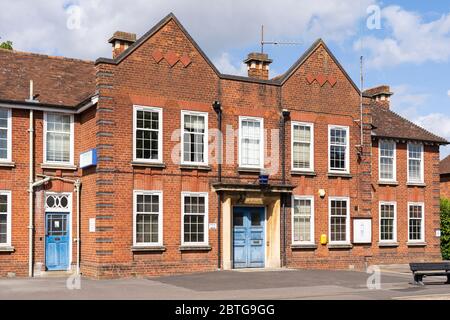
(6, 45)
(445, 229)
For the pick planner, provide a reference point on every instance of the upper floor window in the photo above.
(302, 146)
(5, 218)
(5, 134)
(195, 218)
(58, 138)
(388, 222)
(251, 142)
(303, 219)
(147, 134)
(338, 148)
(339, 223)
(416, 222)
(148, 218)
(415, 162)
(194, 139)
(387, 165)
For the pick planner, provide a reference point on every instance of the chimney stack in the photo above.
(258, 65)
(121, 41)
(381, 95)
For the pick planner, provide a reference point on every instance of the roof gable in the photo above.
(315, 46)
(170, 17)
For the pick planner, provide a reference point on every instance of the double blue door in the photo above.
(248, 237)
(57, 241)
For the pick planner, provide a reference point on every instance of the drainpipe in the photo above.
(218, 109)
(285, 113)
(77, 189)
(30, 196)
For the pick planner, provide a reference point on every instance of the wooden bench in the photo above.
(421, 270)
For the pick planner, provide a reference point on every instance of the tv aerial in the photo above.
(264, 42)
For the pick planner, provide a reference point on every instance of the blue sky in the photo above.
(410, 52)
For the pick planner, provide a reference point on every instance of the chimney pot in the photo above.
(258, 65)
(120, 41)
(381, 95)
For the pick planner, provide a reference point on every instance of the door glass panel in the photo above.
(57, 225)
(256, 219)
(239, 219)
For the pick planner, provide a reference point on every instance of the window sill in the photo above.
(303, 173)
(194, 248)
(251, 170)
(148, 164)
(195, 167)
(58, 166)
(339, 175)
(7, 164)
(416, 184)
(297, 246)
(416, 244)
(388, 183)
(387, 244)
(148, 248)
(340, 246)
(8, 249)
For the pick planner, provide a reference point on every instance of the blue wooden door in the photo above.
(57, 241)
(248, 237)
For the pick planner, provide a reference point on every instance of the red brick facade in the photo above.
(165, 69)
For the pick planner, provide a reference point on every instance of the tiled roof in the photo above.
(444, 165)
(389, 124)
(57, 80)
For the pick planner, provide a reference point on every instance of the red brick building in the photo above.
(153, 162)
(444, 170)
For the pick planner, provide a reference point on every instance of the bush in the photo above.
(445, 229)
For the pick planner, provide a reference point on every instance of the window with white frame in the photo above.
(251, 142)
(415, 162)
(194, 137)
(338, 149)
(303, 219)
(302, 146)
(415, 222)
(388, 223)
(339, 220)
(58, 138)
(5, 134)
(195, 218)
(387, 160)
(147, 134)
(5, 218)
(148, 218)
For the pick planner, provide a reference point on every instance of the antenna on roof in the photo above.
(263, 42)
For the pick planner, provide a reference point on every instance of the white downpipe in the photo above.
(77, 187)
(30, 196)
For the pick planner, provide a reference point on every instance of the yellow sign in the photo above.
(323, 239)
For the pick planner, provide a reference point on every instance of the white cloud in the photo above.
(217, 26)
(407, 101)
(410, 39)
(437, 123)
(224, 64)
(448, 93)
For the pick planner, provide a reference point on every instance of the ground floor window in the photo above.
(415, 222)
(148, 218)
(388, 223)
(5, 218)
(303, 219)
(195, 218)
(339, 220)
